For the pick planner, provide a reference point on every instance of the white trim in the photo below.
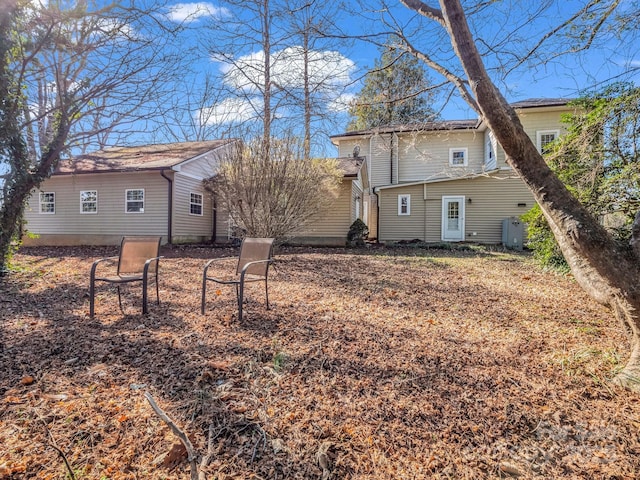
(84, 202)
(401, 197)
(464, 151)
(126, 199)
(540, 133)
(201, 204)
(461, 217)
(40, 203)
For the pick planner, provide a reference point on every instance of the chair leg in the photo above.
(92, 301)
(204, 293)
(157, 288)
(120, 300)
(266, 292)
(144, 295)
(240, 299)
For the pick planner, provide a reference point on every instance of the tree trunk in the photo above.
(608, 272)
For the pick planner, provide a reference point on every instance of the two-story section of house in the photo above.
(448, 180)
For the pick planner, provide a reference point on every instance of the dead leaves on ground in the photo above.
(370, 365)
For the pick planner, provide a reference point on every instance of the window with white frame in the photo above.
(544, 138)
(47, 202)
(89, 201)
(195, 204)
(458, 157)
(404, 204)
(134, 200)
(490, 151)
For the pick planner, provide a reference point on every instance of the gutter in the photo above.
(170, 206)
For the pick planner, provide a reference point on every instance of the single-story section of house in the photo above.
(97, 198)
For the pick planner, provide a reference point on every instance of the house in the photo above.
(446, 181)
(96, 198)
(330, 227)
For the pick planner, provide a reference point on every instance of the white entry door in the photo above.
(452, 219)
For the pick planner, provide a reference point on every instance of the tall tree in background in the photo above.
(69, 75)
(276, 68)
(608, 271)
(397, 91)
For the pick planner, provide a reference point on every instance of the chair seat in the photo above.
(135, 277)
(231, 279)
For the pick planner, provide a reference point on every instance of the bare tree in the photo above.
(72, 76)
(609, 272)
(278, 73)
(274, 194)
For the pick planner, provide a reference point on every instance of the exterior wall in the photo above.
(345, 147)
(67, 226)
(380, 158)
(425, 156)
(331, 226)
(488, 200)
(203, 166)
(189, 228)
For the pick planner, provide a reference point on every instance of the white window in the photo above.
(195, 204)
(404, 204)
(458, 157)
(47, 202)
(135, 201)
(490, 151)
(89, 201)
(544, 138)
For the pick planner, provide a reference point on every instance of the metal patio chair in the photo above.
(253, 266)
(138, 262)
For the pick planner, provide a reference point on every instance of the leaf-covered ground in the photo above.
(376, 364)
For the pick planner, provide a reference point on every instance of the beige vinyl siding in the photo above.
(380, 166)
(401, 227)
(345, 147)
(483, 215)
(426, 156)
(331, 225)
(188, 227)
(111, 219)
(203, 166)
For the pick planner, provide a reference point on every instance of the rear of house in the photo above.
(447, 181)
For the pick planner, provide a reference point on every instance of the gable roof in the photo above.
(146, 157)
(350, 166)
(470, 124)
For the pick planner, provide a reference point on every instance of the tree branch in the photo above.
(179, 433)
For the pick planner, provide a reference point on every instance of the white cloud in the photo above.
(190, 12)
(328, 70)
(342, 103)
(231, 110)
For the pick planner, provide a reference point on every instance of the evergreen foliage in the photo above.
(396, 92)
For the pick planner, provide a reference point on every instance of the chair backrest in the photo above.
(254, 249)
(135, 251)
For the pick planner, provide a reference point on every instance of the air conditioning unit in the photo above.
(512, 233)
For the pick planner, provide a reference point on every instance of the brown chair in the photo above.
(253, 266)
(137, 262)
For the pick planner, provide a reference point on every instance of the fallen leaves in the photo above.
(371, 365)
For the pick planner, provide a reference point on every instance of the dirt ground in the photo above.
(371, 364)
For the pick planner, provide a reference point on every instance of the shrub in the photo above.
(358, 233)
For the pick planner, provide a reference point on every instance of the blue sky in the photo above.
(565, 76)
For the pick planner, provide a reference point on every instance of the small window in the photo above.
(47, 202)
(458, 157)
(135, 201)
(89, 201)
(195, 204)
(404, 204)
(544, 138)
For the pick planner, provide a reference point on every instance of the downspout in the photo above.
(170, 206)
(214, 227)
(424, 220)
(377, 214)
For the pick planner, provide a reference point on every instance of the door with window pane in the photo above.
(452, 219)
